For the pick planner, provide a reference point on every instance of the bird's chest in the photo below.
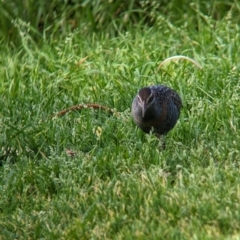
(152, 120)
(155, 117)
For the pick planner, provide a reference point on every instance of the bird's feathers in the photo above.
(161, 113)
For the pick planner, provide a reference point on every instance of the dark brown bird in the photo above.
(156, 108)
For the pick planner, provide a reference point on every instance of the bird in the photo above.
(156, 108)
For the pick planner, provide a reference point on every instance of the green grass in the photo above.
(120, 185)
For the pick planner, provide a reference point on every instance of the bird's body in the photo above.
(156, 108)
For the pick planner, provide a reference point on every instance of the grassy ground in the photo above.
(120, 185)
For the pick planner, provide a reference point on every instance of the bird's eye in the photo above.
(150, 99)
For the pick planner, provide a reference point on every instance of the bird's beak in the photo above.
(143, 109)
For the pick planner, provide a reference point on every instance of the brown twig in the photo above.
(87, 105)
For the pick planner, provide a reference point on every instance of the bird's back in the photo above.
(166, 94)
(170, 103)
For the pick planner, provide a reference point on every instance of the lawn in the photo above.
(118, 183)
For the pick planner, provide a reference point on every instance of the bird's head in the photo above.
(145, 99)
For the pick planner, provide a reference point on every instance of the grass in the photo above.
(120, 185)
